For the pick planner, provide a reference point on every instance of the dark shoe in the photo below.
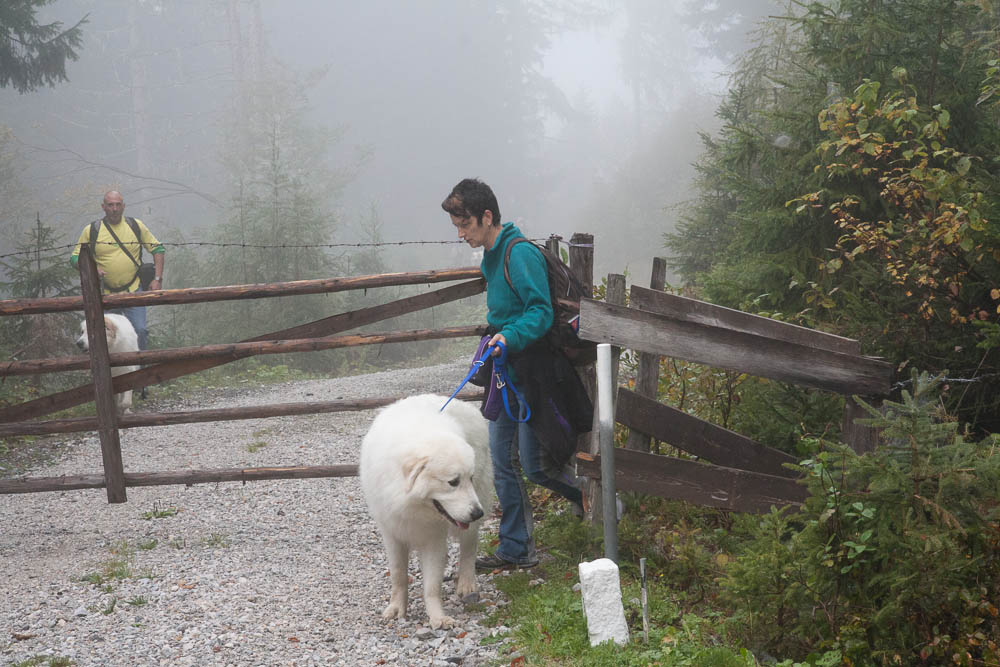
(144, 394)
(494, 562)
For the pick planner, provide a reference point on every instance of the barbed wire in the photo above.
(214, 244)
(263, 246)
(902, 384)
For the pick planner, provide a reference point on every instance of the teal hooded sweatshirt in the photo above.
(525, 314)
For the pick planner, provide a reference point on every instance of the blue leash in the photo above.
(476, 365)
(503, 382)
(500, 368)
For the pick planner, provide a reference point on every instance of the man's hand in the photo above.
(156, 284)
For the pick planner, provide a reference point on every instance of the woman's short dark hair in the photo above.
(472, 197)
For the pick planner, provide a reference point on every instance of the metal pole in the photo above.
(606, 426)
(645, 601)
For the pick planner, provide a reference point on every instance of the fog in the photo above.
(583, 117)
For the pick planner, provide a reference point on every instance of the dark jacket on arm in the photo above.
(560, 407)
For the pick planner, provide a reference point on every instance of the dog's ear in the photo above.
(109, 327)
(412, 468)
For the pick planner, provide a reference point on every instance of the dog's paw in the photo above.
(438, 622)
(466, 586)
(394, 611)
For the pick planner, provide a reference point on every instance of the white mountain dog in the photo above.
(121, 338)
(427, 474)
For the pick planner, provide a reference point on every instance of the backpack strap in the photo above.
(138, 235)
(95, 228)
(506, 260)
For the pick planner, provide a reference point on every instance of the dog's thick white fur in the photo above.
(121, 338)
(427, 474)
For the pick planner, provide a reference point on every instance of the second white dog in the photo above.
(425, 474)
(121, 338)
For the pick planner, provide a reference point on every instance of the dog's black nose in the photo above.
(82, 345)
(477, 514)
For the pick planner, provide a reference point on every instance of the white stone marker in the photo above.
(602, 602)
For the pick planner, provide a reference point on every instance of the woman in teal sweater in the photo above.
(519, 317)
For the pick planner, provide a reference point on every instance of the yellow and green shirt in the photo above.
(120, 271)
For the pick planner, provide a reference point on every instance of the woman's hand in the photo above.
(497, 338)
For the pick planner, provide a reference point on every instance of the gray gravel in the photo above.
(288, 572)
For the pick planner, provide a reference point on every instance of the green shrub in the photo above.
(895, 557)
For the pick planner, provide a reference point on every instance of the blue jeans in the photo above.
(517, 545)
(137, 316)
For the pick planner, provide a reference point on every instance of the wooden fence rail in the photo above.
(691, 310)
(237, 292)
(696, 436)
(234, 351)
(187, 477)
(741, 351)
(80, 424)
(695, 482)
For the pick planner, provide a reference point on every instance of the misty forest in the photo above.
(830, 164)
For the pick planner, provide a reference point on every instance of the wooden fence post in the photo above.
(104, 393)
(552, 245)
(581, 262)
(615, 293)
(647, 379)
(581, 259)
(860, 437)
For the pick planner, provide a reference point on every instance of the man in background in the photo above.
(118, 251)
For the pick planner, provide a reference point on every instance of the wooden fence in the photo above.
(162, 365)
(732, 472)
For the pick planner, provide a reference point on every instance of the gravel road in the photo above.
(287, 572)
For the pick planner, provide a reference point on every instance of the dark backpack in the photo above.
(565, 291)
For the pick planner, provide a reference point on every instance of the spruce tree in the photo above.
(37, 268)
(34, 54)
(854, 187)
